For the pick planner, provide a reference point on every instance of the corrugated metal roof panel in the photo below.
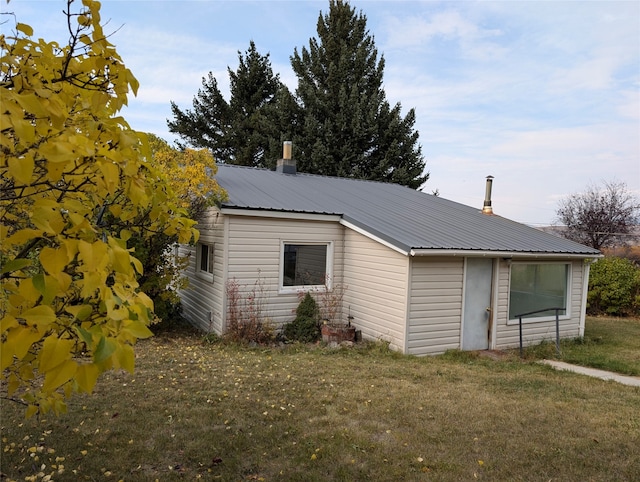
(403, 217)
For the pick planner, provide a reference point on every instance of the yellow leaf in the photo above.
(125, 357)
(39, 315)
(58, 151)
(59, 375)
(31, 411)
(145, 300)
(21, 169)
(6, 356)
(31, 104)
(7, 322)
(111, 175)
(47, 219)
(19, 340)
(120, 258)
(54, 260)
(21, 236)
(54, 351)
(49, 287)
(137, 329)
(79, 312)
(13, 383)
(91, 281)
(94, 256)
(137, 192)
(25, 29)
(29, 291)
(118, 314)
(86, 377)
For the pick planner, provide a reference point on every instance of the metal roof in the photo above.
(406, 219)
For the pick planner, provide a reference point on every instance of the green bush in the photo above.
(614, 287)
(305, 327)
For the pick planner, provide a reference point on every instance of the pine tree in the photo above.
(244, 130)
(348, 128)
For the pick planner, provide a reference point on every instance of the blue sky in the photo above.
(542, 95)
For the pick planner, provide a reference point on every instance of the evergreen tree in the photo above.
(205, 126)
(244, 130)
(348, 128)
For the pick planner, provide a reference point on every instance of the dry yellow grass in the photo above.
(213, 412)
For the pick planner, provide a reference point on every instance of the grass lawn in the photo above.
(608, 343)
(206, 411)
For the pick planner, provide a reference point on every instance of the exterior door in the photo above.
(476, 319)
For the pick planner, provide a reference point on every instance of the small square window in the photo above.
(305, 265)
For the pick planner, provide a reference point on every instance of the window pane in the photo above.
(304, 265)
(210, 267)
(204, 257)
(537, 286)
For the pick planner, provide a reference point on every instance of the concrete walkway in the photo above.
(592, 372)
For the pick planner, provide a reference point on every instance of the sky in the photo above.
(542, 95)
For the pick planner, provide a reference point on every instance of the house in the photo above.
(423, 273)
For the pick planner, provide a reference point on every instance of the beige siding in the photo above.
(435, 305)
(247, 251)
(376, 278)
(202, 301)
(254, 251)
(507, 335)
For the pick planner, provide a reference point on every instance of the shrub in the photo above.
(305, 327)
(614, 287)
(245, 317)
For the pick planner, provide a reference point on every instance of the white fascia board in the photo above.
(498, 254)
(263, 213)
(369, 235)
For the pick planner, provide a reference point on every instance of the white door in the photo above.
(476, 319)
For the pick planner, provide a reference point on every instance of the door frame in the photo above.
(493, 303)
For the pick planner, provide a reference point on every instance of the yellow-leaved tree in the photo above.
(76, 185)
(190, 173)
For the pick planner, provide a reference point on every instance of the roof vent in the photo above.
(486, 208)
(286, 165)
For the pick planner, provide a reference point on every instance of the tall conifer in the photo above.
(247, 129)
(349, 129)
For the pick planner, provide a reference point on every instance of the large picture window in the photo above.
(536, 286)
(305, 265)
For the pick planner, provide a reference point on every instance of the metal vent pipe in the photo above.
(486, 208)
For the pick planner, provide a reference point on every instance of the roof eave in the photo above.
(500, 254)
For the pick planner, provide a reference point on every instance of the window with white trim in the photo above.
(536, 286)
(304, 265)
(204, 260)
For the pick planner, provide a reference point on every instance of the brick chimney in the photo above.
(286, 165)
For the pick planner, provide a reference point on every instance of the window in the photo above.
(305, 265)
(538, 286)
(205, 260)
